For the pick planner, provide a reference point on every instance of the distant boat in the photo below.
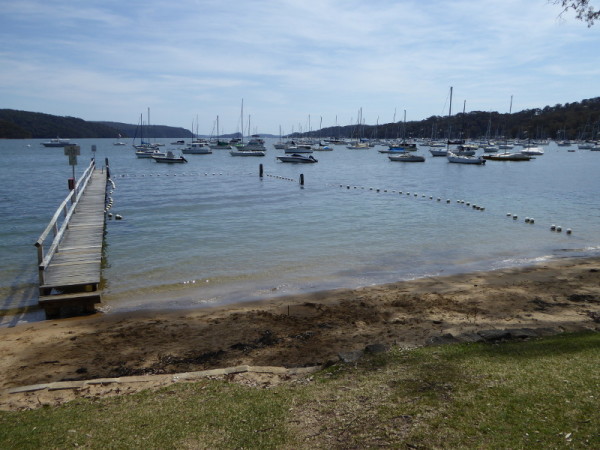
(358, 146)
(298, 148)
(465, 150)
(149, 153)
(169, 158)
(297, 158)
(252, 145)
(143, 145)
(118, 142)
(465, 159)
(465, 156)
(508, 156)
(564, 143)
(534, 151)
(407, 157)
(438, 151)
(255, 147)
(57, 142)
(322, 147)
(197, 148)
(242, 152)
(219, 144)
(585, 145)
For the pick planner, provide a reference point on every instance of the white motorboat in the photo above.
(297, 158)
(57, 142)
(169, 158)
(242, 152)
(533, 151)
(149, 153)
(437, 144)
(508, 156)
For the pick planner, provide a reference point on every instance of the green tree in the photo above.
(582, 8)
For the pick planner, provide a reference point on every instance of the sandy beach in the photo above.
(296, 331)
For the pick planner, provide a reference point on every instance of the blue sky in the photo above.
(295, 63)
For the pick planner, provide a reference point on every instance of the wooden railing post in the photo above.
(58, 232)
(40, 253)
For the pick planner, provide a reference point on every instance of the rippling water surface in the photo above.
(212, 231)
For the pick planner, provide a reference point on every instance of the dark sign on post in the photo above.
(72, 151)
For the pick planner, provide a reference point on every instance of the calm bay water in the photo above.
(212, 232)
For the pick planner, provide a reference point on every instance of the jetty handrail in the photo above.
(64, 208)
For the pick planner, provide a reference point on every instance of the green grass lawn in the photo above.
(541, 393)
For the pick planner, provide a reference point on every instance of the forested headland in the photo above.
(16, 124)
(578, 120)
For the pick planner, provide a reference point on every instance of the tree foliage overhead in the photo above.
(582, 8)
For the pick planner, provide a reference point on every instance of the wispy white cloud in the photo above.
(109, 60)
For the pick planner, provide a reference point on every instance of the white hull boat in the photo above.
(247, 153)
(169, 158)
(149, 153)
(533, 151)
(464, 159)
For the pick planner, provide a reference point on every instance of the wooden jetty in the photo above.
(69, 271)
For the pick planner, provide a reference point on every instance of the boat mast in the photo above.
(449, 116)
(242, 119)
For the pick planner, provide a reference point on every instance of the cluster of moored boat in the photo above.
(298, 151)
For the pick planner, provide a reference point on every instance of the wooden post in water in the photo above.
(260, 170)
(301, 179)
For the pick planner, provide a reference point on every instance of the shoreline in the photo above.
(303, 330)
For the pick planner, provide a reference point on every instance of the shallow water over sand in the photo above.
(212, 232)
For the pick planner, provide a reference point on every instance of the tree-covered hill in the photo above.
(153, 131)
(15, 124)
(578, 120)
(34, 125)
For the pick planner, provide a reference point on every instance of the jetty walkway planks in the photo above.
(69, 273)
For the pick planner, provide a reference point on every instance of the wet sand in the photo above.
(295, 331)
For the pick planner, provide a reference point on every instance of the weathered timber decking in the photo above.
(70, 273)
